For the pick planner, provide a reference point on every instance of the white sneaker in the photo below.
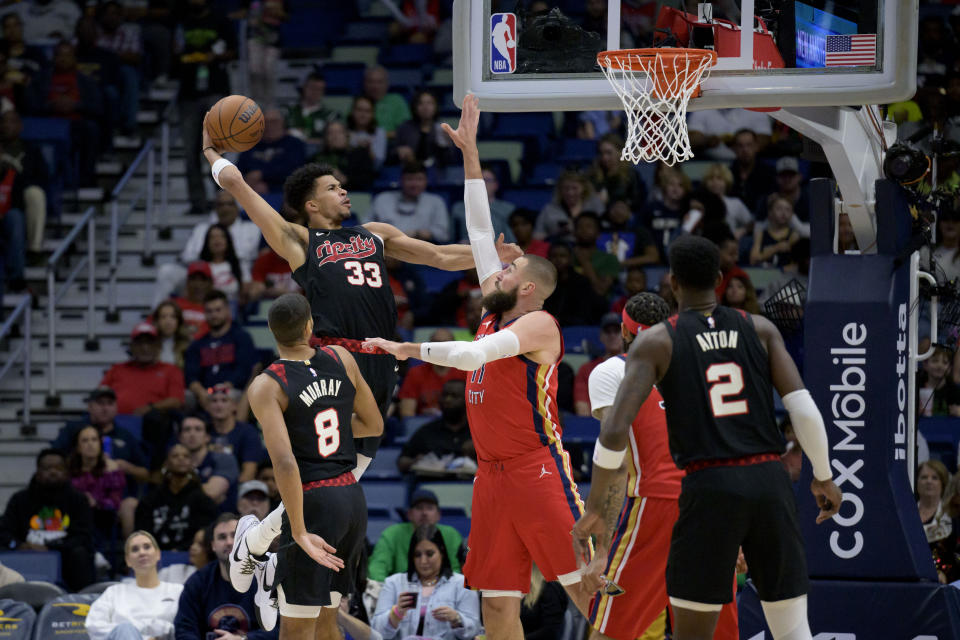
(265, 598)
(242, 562)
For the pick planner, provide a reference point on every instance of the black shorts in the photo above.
(339, 516)
(380, 373)
(724, 508)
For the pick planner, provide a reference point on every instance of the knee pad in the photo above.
(787, 619)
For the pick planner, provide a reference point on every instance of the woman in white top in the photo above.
(364, 132)
(174, 334)
(143, 610)
(219, 253)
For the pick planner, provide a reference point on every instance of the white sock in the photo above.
(260, 537)
(362, 463)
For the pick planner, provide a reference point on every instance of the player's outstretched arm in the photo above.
(804, 416)
(367, 421)
(449, 257)
(265, 400)
(287, 239)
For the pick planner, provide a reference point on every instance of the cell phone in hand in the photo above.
(409, 599)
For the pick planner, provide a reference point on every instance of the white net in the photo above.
(655, 86)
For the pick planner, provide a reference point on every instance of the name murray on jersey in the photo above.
(724, 339)
(318, 389)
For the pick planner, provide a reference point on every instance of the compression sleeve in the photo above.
(811, 432)
(480, 228)
(470, 356)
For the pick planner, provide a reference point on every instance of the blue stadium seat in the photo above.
(35, 594)
(133, 424)
(375, 527)
(344, 78)
(940, 430)
(406, 55)
(34, 566)
(530, 198)
(384, 466)
(460, 523)
(18, 619)
(52, 136)
(576, 151)
(406, 80)
(388, 496)
(168, 558)
(537, 126)
(436, 279)
(411, 424)
(372, 31)
(545, 174)
(64, 614)
(583, 339)
(580, 429)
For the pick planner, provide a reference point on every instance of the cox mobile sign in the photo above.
(503, 43)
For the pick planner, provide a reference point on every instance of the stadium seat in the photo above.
(442, 77)
(18, 620)
(460, 523)
(384, 465)
(508, 150)
(34, 593)
(406, 55)
(98, 587)
(583, 339)
(64, 616)
(654, 274)
(387, 496)
(580, 429)
(411, 424)
(406, 80)
(360, 202)
(452, 493)
(375, 527)
(530, 198)
(168, 558)
(363, 55)
(545, 174)
(339, 104)
(576, 151)
(388, 178)
(536, 127)
(344, 79)
(366, 31)
(434, 280)
(43, 566)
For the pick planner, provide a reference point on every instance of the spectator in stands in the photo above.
(308, 118)
(252, 498)
(25, 58)
(245, 238)
(416, 21)
(205, 42)
(620, 223)
(48, 19)
(365, 132)
(522, 222)
(798, 270)
(218, 471)
(353, 166)
(500, 211)
(390, 108)
(103, 66)
(224, 354)
(238, 439)
(122, 38)
(741, 294)
(790, 187)
(439, 606)
(276, 156)
(50, 515)
(30, 184)
(408, 292)
(13, 243)
(13, 84)
(592, 125)
(937, 394)
(271, 278)
(173, 333)
(543, 608)
(752, 180)
(143, 383)
(718, 179)
(665, 215)
(612, 341)
(615, 179)
(98, 477)
(144, 609)
(634, 283)
(421, 389)
(934, 46)
(598, 266)
(446, 437)
(199, 284)
(412, 209)
(175, 509)
(199, 554)
(706, 215)
(847, 242)
(390, 553)
(218, 251)
(711, 130)
(573, 302)
(572, 196)
(729, 256)
(940, 528)
(449, 306)
(263, 46)
(209, 591)
(773, 241)
(64, 92)
(266, 476)
(421, 138)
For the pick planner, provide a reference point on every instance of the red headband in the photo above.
(632, 325)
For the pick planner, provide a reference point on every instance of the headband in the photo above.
(632, 325)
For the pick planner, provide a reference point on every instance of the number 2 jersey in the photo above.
(346, 282)
(717, 389)
(319, 408)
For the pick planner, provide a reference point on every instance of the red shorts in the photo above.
(638, 563)
(523, 512)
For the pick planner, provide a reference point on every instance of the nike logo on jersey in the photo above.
(544, 472)
(710, 340)
(318, 389)
(358, 247)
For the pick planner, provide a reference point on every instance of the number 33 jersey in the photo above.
(717, 389)
(319, 407)
(346, 282)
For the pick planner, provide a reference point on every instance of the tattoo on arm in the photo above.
(612, 503)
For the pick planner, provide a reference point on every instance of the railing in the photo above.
(89, 261)
(146, 154)
(23, 309)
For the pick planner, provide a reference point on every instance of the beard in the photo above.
(498, 301)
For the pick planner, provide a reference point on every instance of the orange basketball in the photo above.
(235, 123)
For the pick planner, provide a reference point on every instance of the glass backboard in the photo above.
(535, 55)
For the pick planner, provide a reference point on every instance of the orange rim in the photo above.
(665, 74)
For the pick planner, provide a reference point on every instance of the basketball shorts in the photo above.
(380, 372)
(337, 514)
(724, 508)
(523, 512)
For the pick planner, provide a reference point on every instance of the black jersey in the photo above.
(319, 408)
(346, 282)
(717, 389)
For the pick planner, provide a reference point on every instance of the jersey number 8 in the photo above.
(327, 424)
(727, 379)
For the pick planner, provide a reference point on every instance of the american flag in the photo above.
(843, 51)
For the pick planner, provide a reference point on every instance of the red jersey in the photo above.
(512, 402)
(138, 385)
(425, 385)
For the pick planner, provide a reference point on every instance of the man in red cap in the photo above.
(199, 284)
(143, 383)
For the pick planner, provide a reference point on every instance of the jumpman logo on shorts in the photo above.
(544, 472)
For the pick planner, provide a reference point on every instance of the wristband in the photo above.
(204, 150)
(607, 458)
(219, 166)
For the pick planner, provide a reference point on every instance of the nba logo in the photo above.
(503, 43)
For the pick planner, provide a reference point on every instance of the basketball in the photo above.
(235, 123)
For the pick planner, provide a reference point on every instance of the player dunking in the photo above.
(304, 402)
(635, 601)
(524, 497)
(715, 368)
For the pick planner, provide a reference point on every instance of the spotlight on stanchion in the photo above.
(905, 164)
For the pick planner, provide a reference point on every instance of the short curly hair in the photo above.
(647, 308)
(300, 185)
(695, 262)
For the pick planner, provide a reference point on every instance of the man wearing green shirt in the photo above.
(390, 553)
(391, 109)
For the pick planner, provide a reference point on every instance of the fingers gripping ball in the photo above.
(235, 123)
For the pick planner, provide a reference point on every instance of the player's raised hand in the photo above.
(828, 496)
(393, 348)
(507, 251)
(318, 549)
(205, 139)
(465, 135)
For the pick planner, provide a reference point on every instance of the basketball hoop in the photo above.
(655, 86)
